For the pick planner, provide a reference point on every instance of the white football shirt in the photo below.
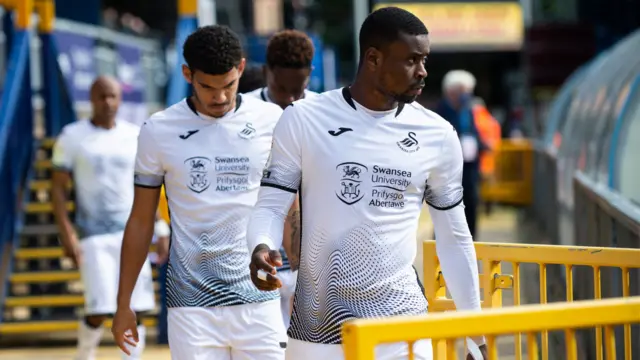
(263, 94)
(362, 177)
(211, 170)
(101, 162)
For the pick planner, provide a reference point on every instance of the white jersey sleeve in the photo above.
(454, 243)
(280, 182)
(64, 151)
(148, 171)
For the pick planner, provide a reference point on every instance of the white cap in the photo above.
(456, 78)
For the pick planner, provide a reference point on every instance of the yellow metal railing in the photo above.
(512, 180)
(492, 280)
(360, 337)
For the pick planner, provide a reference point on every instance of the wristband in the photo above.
(162, 229)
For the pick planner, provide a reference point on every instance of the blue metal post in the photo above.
(178, 90)
(16, 138)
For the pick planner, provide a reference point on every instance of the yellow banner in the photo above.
(470, 26)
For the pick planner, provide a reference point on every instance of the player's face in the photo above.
(403, 68)
(286, 85)
(215, 95)
(105, 100)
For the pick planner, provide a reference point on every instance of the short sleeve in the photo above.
(444, 185)
(148, 171)
(64, 151)
(284, 167)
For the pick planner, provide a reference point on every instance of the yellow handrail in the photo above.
(360, 337)
(493, 281)
(493, 254)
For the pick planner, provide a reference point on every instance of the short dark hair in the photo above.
(290, 49)
(213, 49)
(385, 26)
(252, 78)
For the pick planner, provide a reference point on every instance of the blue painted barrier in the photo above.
(58, 109)
(16, 142)
(178, 90)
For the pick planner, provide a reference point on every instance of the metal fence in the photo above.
(544, 206)
(494, 281)
(360, 337)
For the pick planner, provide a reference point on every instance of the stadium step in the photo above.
(44, 289)
(46, 301)
(39, 229)
(44, 277)
(48, 253)
(35, 327)
(39, 208)
(47, 143)
(43, 185)
(51, 276)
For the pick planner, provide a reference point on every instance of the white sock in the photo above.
(136, 352)
(88, 341)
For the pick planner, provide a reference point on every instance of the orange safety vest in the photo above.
(490, 134)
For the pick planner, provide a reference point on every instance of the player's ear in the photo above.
(372, 58)
(186, 73)
(241, 66)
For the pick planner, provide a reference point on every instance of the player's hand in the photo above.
(483, 351)
(72, 249)
(125, 328)
(266, 260)
(162, 250)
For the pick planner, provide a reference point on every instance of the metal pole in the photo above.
(360, 12)
(206, 12)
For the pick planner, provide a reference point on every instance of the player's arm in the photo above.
(62, 161)
(454, 244)
(278, 190)
(291, 237)
(138, 233)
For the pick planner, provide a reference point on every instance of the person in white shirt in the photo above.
(99, 155)
(363, 159)
(209, 151)
(288, 68)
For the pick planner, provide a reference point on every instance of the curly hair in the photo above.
(290, 49)
(213, 49)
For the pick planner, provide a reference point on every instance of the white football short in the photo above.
(100, 270)
(302, 350)
(240, 332)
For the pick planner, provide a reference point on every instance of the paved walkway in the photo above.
(499, 227)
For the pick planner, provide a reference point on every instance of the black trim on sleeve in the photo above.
(446, 207)
(148, 187)
(280, 187)
(263, 96)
